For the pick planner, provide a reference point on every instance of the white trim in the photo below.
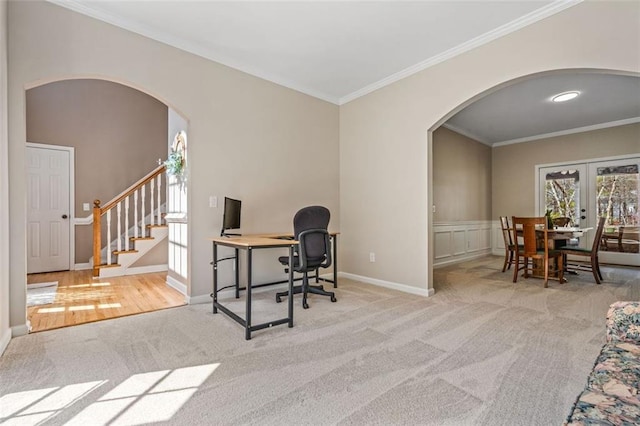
(19, 330)
(4, 340)
(203, 298)
(177, 285)
(570, 131)
(537, 15)
(146, 269)
(83, 220)
(83, 266)
(508, 28)
(388, 284)
(72, 192)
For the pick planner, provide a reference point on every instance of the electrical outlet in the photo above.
(86, 207)
(372, 257)
(213, 201)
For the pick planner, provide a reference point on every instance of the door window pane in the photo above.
(562, 195)
(617, 201)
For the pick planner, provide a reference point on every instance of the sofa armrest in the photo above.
(623, 322)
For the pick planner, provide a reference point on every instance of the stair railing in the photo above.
(133, 197)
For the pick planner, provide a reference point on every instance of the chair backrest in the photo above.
(561, 221)
(597, 239)
(526, 227)
(506, 231)
(310, 226)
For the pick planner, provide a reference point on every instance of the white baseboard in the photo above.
(20, 330)
(146, 269)
(82, 266)
(5, 338)
(177, 285)
(388, 284)
(203, 298)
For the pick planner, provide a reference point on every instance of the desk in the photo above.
(250, 243)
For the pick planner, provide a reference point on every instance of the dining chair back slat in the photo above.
(535, 252)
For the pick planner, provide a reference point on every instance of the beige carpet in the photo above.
(482, 350)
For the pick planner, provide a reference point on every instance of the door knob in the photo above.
(64, 216)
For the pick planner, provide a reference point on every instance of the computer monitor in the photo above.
(231, 217)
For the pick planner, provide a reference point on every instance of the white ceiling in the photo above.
(340, 50)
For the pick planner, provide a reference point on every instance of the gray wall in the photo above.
(118, 134)
(461, 178)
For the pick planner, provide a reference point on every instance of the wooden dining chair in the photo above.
(535, 251)
(593, 266)
(509, 247)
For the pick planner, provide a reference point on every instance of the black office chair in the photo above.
(313, 251)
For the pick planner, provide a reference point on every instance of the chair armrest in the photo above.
(623, 322)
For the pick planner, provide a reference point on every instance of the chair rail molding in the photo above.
(459, 241)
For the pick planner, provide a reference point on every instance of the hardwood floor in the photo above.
(80, 298)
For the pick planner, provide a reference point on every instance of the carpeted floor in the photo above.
(482, 350)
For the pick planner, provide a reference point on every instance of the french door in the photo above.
(586, 191)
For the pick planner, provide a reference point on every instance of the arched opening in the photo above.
(114, 136)
(479, 235)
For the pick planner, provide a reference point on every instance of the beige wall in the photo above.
(384, 147)
(514, 165)
(461, 178)
(5, 331)
(118, 134)
(248, 138)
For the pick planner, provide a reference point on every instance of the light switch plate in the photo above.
(213, 201)
(86, 207)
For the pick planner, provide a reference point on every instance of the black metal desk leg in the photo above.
(237, 274)
(215, 277)
(247, 329)
(290, 301)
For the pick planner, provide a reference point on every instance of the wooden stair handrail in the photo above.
(124, 194)
(99, 211)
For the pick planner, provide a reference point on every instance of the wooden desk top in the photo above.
(281, 239)
(253, 241)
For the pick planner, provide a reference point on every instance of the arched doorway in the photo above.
(556, 145)
(117, 134)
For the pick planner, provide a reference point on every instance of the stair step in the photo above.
(140, 238)
(113, 265)
(124, 251)
(157, 226)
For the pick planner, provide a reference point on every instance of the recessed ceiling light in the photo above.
(566, 96)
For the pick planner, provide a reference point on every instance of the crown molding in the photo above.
(178, 43)
(196, 49)
(467, 134)
(512, 26)
(600, 126)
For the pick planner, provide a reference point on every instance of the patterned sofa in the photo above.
(611, 396)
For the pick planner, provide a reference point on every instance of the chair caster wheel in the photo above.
(333, 299)
(278, 300)
(305, 305)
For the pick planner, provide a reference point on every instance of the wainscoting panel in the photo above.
(459, 241)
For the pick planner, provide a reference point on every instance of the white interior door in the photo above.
(48, 209)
